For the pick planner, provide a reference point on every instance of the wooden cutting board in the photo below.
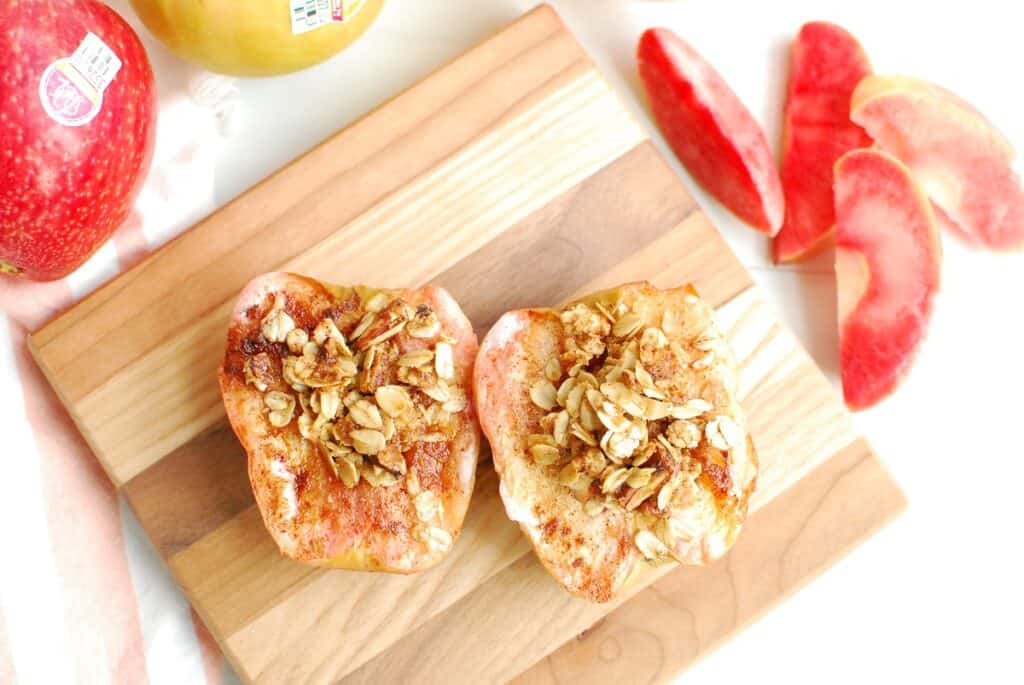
(513, 177)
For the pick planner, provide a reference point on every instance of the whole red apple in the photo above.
(77, 127)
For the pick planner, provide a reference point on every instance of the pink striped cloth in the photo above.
(83, 596)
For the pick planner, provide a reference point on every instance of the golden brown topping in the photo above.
(626, 426)
(358, 406)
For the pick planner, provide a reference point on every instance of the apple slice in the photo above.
(354, 407)
(827, 64)
(713, 134)
(616, 433)
(958, 157)
(888, 262)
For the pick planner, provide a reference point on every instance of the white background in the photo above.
(937, 595)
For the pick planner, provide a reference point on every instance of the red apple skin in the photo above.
(827, 64)
(64, 190)
(888, 265)
(713, 134)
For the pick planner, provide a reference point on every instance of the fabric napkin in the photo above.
(83, 596)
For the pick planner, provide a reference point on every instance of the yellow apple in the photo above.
(250, 37)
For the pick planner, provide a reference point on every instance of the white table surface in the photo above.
(936, 595)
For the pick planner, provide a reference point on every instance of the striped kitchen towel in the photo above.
(83, 596)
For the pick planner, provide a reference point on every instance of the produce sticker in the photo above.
(71, 89)
(308, 15)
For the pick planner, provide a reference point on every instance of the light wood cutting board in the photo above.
(513, 177)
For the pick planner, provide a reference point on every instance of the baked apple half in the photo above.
(616, 433)
(354, 406)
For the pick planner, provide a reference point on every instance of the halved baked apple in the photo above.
(354, 406)
(616, 433)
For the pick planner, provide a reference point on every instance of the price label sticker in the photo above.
(309, 15)
(71, 89)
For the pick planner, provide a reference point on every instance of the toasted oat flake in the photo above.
(444, 361)
(627, 324)
(394, 400)
(614, 480)
(731, 432)
(553, 370)
(366, 414)
(276, 400)
(345, 470)
(545, 455)
(713, 433)
(393, 460)
(363, 325)
(328, 402)
(574, 400)
(639, 477)
(416, 358)
(388, 427)
(569, 473)
(583, 434)
(561, 429)
(378, 302)
(276, 325)
(388, 334)
(605, 312)
(589, 418)
(691, 409)
(368, 442)
(666, 494)
(544, 395)
(378, 476)
(296, 340)
(326, 330)
(439, 391)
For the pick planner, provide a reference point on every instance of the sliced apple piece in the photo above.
(616, 433)
(713, 134)
(958, 157)
(888, 262)
(827, 63)
(355, 408)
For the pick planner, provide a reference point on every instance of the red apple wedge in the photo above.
(713, 134)
(888, 262)
(962, 162)
(827, 64)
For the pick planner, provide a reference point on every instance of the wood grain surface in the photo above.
(514, 178)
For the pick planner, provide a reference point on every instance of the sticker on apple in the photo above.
(308, 15)
(71, 89)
